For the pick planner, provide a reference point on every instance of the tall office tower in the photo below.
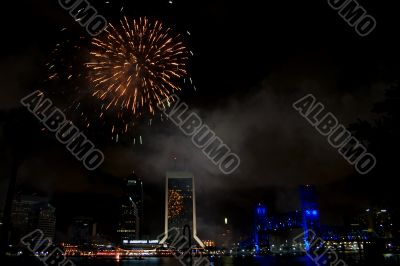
(131, 211)
(180, 206)
(44, 216)
(310, 212)
(81, 231)
(24, 215)
(261, 237)
(379, 221)
(226, 238)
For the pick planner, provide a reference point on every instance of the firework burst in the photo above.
(175, 203)
(133, 66)
(112, 83)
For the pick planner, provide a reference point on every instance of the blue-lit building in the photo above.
(261, 236)
(310, 212)
(297, 231)
(283, 228)
(275, 233)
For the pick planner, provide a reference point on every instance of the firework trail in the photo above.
(134, 66)
(116, 79)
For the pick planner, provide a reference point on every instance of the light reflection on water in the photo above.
(225, 261)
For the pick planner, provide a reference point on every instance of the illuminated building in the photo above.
(275, 233)
(131, 211)
(260, 231)
(44, 217)
(180, 205)
(283, 228)
(81, 231)
(344, 233)
(70, 250)
(377, 220)
(209, 243)
(225, 238)
(30, 213)
(310, 212)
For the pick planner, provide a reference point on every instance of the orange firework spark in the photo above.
(175, 203)
(135, 65)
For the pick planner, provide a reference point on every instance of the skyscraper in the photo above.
(81, 230)
(180, 205)
(310, 212)
(261, 237)
(225, 239)
(30, 212)
(131, 211)
(45, 219)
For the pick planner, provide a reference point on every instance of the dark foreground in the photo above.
(224, 261)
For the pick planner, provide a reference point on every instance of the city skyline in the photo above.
(279, 114)
(305, 215)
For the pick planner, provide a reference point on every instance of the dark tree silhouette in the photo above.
(382, 137)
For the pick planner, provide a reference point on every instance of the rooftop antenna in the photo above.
(175, 162)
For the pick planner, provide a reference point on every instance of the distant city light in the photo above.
(143, 241)
(311, 212)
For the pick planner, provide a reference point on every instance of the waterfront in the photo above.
(224, 261)
(239, 133)
(221, 261)
(170, 261)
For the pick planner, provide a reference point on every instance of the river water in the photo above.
(171, 261)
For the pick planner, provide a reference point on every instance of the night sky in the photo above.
(252, 60)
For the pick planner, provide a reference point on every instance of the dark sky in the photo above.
(252, 60)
